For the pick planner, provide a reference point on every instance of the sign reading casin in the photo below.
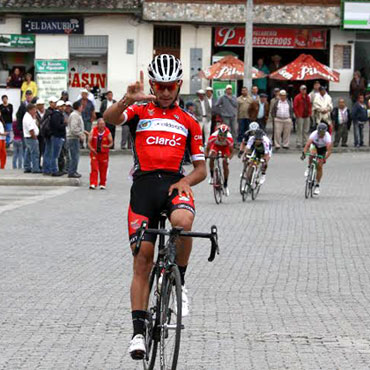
(65, 25)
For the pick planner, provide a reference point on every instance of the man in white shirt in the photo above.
(322, 106)
(30, 133)
(203, 113)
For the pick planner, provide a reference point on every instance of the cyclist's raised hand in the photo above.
(303, 156)
(135, 92)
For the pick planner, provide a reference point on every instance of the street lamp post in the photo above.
(248, 46)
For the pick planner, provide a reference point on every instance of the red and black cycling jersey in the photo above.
(161, 137)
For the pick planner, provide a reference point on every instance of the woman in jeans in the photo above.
(17, 147)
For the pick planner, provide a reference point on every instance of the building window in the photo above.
(167, 40)
(342, 55)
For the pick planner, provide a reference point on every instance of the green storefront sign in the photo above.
(17, 41)
(219, 87)
(51, 66)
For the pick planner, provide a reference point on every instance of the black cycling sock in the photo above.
(138, 321)
(211, 172)
(225, 183)
(182, 270)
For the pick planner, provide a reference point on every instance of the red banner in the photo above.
(272, 38)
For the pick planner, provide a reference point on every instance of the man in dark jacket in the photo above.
(341, 117)
(23, 109)
(106, 103)
(58, 136)
(359, 118)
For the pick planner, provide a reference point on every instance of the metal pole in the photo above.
(248, 46)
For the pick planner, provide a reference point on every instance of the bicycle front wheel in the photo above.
(152, 323)
(217, 186)
(170, 319)
(243, 179)
(308, 186)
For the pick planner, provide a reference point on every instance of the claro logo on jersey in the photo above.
(152, 140)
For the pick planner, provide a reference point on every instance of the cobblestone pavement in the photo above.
(290, 289)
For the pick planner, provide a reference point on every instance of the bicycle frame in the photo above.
(311, 178)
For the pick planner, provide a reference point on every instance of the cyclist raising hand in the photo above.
(318, 143)
(161, 133)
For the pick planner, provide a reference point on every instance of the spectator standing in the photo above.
(64, 96)
(75, 134)
(63, 159)
(6, 110)
(17, 146)
(261, 83)
(90, 95)
(58, 134)
(263, 111)
(3, 134)
(342, 119)
(100, 140)
(212, 103)
(302, 107)
(68, 109)
(46, 165)
(227, 106)
(272, 103)
(88, 110)
(274, 66)
(40, 113)
(357, 86)
(15, 79)
(106, 103)
(244, 102)
(30, 133)
(359, 118)
(203, 113)
(322, 107)
(190, 108)
(282, 113)
(315, 91)
(254, 93)
(23, 108)
(28, 85)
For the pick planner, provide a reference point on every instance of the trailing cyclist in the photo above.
(161, 132)
(318, 143)
(261, 146)
(253, 126)
(220, 141)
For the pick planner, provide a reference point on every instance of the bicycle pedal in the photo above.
(182, 326)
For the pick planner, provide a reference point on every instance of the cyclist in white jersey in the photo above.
(318, 143)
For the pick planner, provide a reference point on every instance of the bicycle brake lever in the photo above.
(140, 232)
(214, 240)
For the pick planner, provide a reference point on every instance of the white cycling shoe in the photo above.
(306, 173)
(262, 179)
(185, 303)
(210, 181)
(317, 190)
(137, 348)
(227, 191)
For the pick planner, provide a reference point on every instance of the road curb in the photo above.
(11, 180)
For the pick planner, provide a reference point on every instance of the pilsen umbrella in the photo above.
(229, 68)
(305, 67)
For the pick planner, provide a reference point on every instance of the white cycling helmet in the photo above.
(165, 68)
(254, 126)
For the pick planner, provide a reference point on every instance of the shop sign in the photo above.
(356, 15)
(272, 38)
(64, 25)
(79, 80)
(51, 66)
(51, 84)
(219, 87)
(17, 41)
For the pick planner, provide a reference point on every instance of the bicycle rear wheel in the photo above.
(152, 323)
(256, 185)
(170, 319)
(313, 180)
(217, 185)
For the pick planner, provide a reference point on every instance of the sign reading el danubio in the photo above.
(272, 37)
(65, 25)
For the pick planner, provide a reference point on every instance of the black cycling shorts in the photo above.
(320, 151)
(149, 198)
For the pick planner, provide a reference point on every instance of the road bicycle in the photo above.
(218, 178)
(253, 173)
(163, 324)
(311, 177)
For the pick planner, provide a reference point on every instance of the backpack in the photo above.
(45, 129)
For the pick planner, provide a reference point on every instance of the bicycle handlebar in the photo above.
(178, 231)
(308, 154)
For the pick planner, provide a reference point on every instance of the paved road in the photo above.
(289, 291)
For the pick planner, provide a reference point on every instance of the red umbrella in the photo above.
(305, 67)
(228, 68)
